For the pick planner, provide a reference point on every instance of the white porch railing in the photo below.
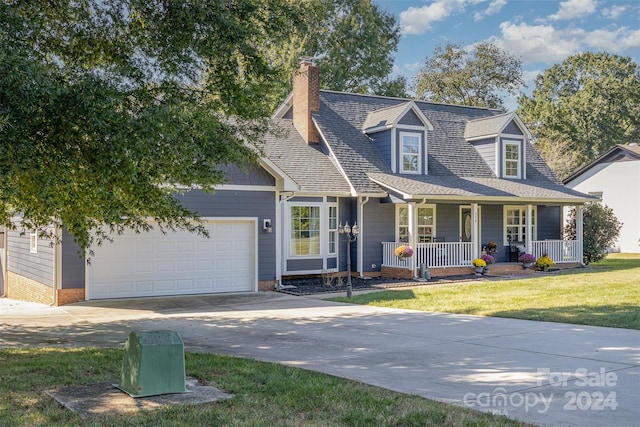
(441, 254)
(560, 251)
(460, 254)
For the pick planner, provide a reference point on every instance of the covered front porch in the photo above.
(448, 258)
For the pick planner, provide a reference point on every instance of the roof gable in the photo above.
(614, 154)
(488, 127)
(388, 117)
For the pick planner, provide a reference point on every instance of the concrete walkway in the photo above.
(544, 373)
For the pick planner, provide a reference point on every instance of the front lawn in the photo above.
(265, 394)
(605, 294)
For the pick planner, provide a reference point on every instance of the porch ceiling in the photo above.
(476, 189)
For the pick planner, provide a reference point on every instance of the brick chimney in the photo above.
(306, 99)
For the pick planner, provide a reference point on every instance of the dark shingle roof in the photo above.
(304, 163)
(487, 126)
(451, 159)
(451, 187)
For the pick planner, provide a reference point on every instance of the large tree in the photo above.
(479, 76)
(352, 41)
(109, 107)
(582, 107)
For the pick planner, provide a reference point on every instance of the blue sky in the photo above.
(539, 32)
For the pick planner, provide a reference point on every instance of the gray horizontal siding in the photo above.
(382, 142)
(248, 175)
(512, 129)
(378, 227)
(487, 150)
(228, 203)
(294, 265)
(38, 267)
(73, 263)
(410, 118)
(549, 222)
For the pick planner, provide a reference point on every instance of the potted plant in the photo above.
(479, 265)
(526, 260)
(403, 252)
(544, 262)
(488, 259)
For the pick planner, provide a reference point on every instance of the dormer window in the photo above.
(511, 159)
(411, 149)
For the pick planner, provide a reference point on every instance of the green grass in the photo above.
(265, 394)
(606, 294)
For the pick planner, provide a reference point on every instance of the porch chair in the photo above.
(515, 250)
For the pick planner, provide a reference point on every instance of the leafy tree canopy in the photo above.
(107, 107)
(353, 43)
(582, 107)
(476, 77)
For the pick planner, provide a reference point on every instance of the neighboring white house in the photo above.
(615, 178)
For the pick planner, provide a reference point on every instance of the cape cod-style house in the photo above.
(444, 179)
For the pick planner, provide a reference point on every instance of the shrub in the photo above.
(601, 229)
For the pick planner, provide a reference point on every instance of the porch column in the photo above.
(528, 236)
(361, 227)
(580, 232)
(413, 232)
(475, 231)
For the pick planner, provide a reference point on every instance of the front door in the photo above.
(466, 224)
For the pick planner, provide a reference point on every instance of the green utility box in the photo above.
(153, 364)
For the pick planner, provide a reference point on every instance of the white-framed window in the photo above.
(333, 230)
(426, 222)
(305, 230)
(33, 242)
(511, 159)
(410, 152)
(515, 223)
(313, 229)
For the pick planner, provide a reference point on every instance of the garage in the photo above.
(176, 263)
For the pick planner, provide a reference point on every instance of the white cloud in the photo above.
(538, 43)
(546, 44)
(417, 20)
(614, 12)
(494, 7)
(571, 9)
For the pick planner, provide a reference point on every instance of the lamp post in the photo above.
(351, 234)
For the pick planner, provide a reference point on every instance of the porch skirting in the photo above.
(403, 273)
(495, 270)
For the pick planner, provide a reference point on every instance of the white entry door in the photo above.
(176, 263)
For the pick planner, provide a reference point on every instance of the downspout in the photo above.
(361, 204)
(57, 265)
(282, 199)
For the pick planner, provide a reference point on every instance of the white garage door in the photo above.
(179, 263)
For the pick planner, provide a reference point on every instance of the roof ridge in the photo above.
(417, 101)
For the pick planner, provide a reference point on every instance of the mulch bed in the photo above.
(311, 286)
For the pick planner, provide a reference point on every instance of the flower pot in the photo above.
(526, 265)
(479, 270)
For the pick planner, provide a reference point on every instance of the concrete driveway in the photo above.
(543, 373)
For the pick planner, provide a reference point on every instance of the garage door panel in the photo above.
(153, 263)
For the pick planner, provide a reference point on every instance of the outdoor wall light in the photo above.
(266, 226)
